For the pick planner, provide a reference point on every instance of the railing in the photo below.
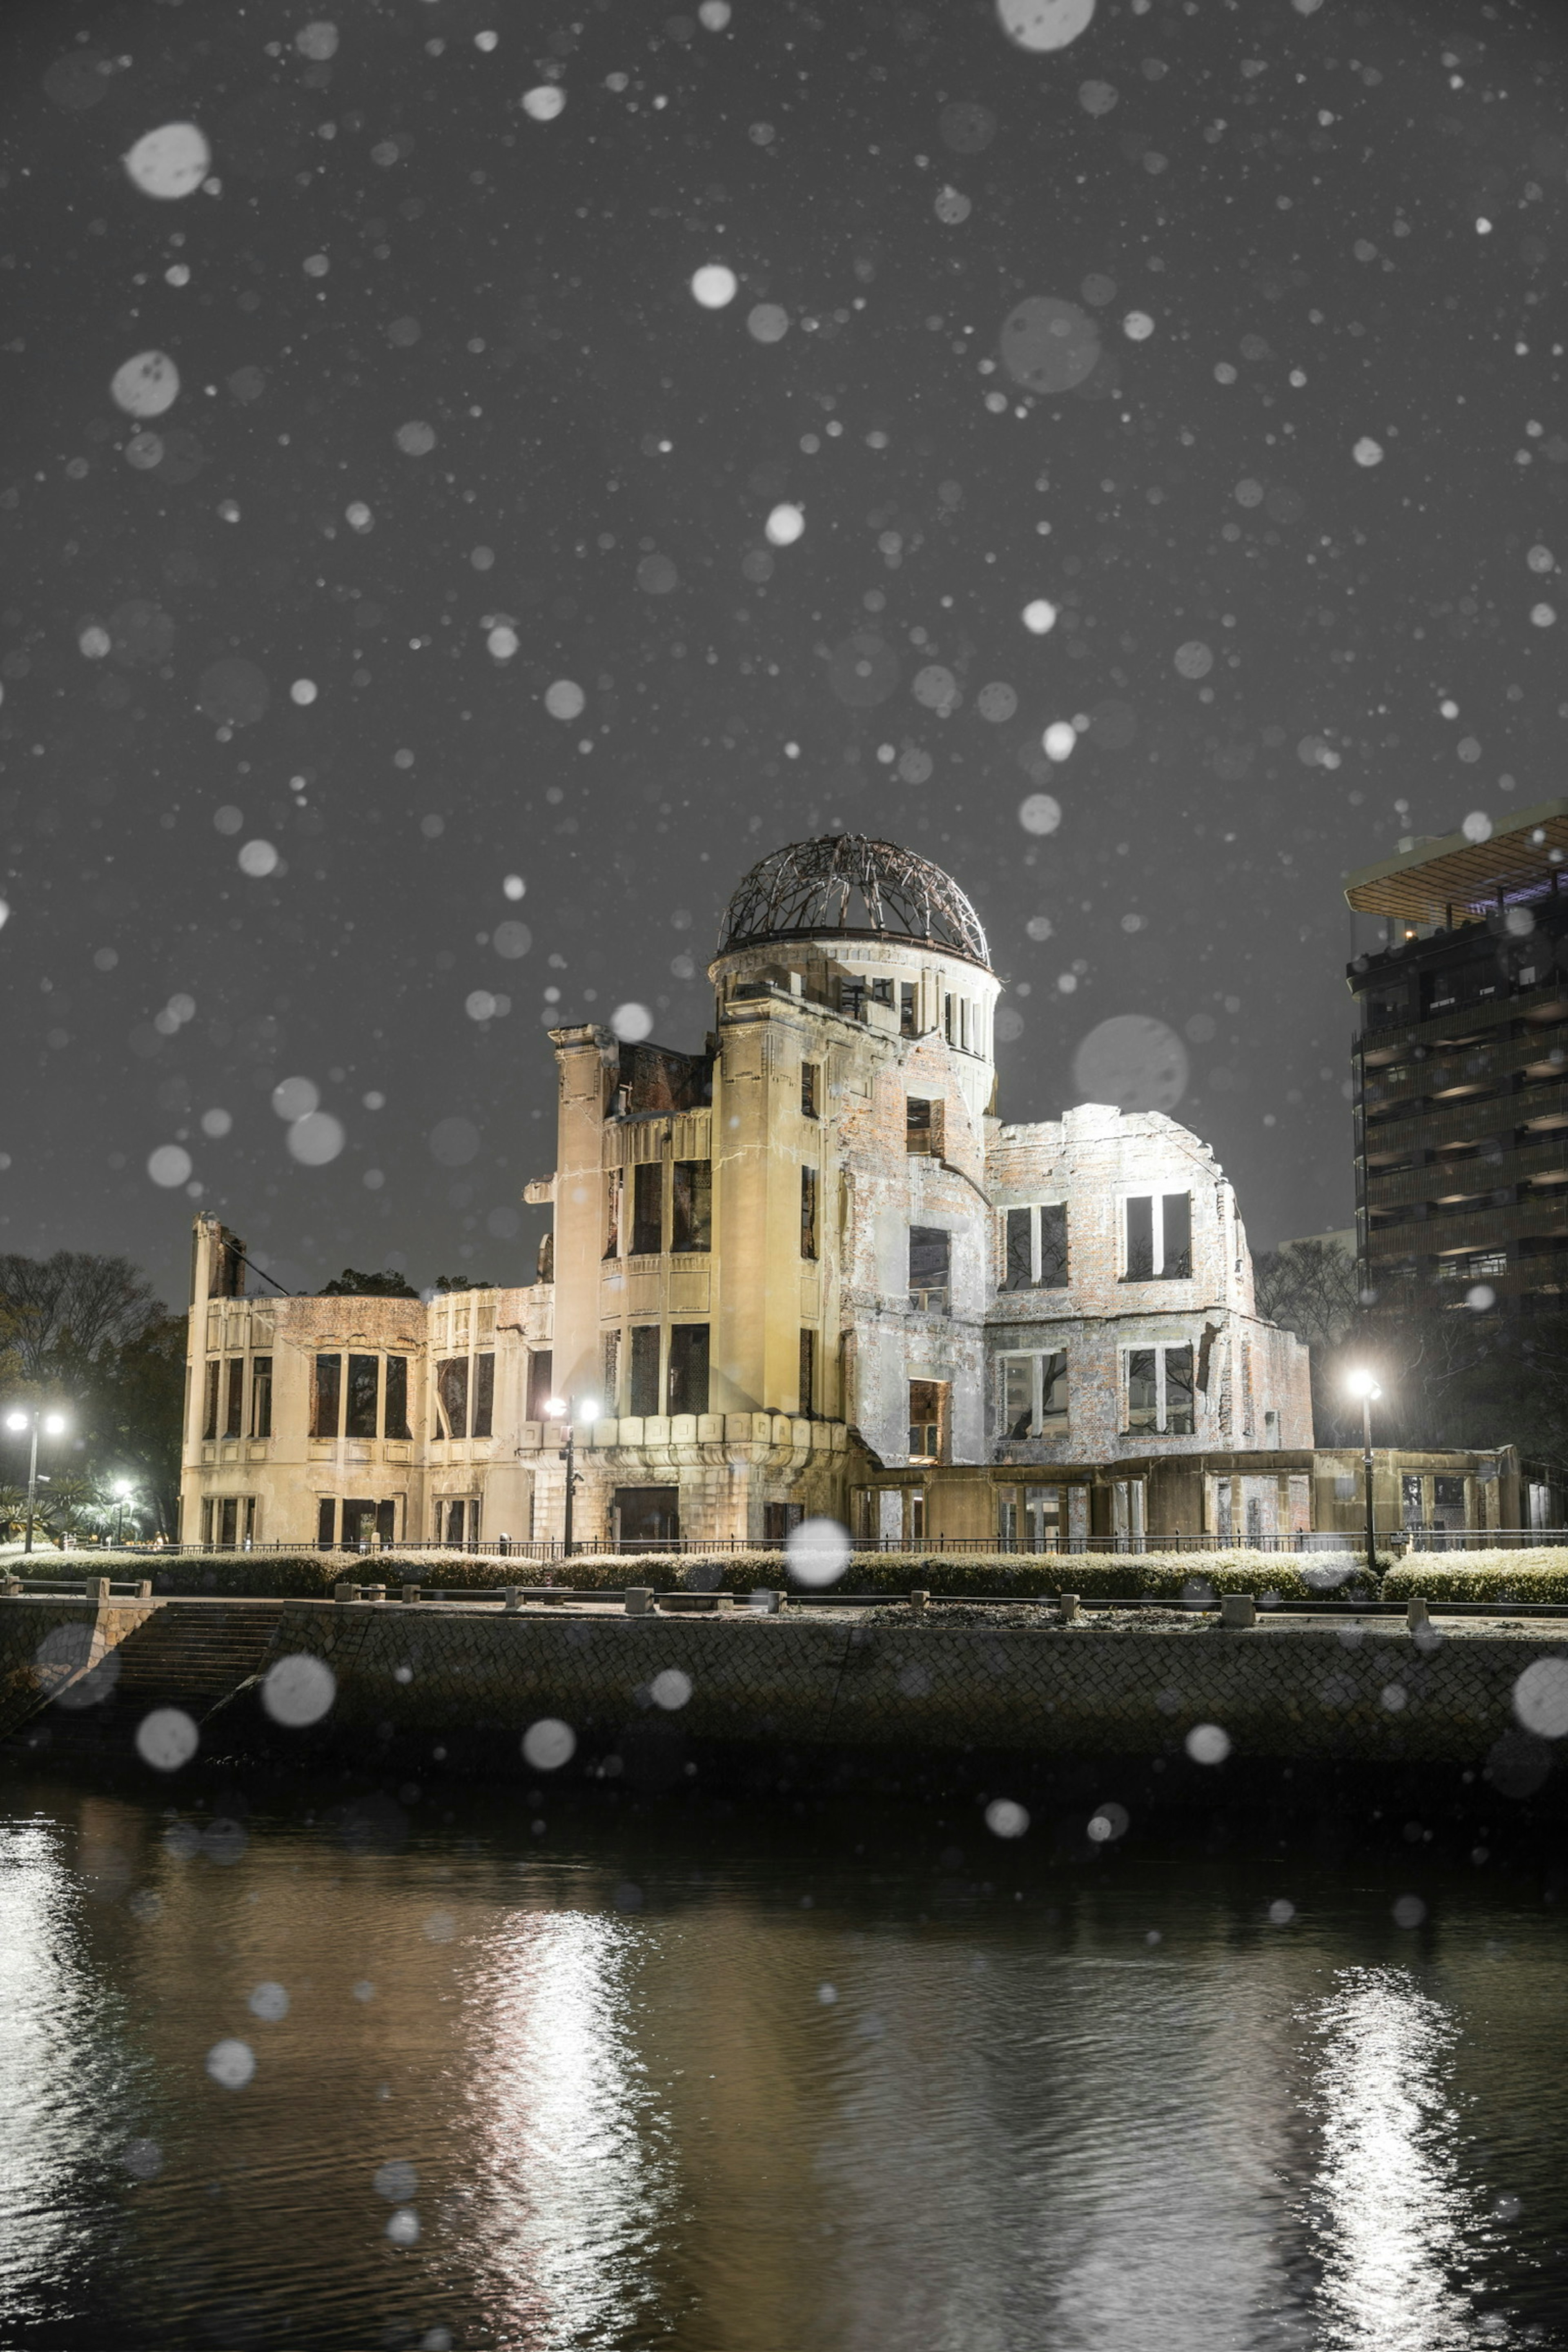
(1301, 1540)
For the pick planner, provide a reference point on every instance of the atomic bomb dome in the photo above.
(854, 887)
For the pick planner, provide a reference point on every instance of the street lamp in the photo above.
(558, 1408)
(34, 1418)
(122, 1490)
(1364, 1384)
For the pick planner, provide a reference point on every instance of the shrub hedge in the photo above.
(310, 1575)
(1541, 1574)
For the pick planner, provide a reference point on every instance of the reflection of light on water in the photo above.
(1393, 2221)
(564, 2144)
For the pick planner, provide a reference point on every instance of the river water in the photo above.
(551, 2070)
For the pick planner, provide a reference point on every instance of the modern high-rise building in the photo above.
(1461, 1076)
(808, 1253)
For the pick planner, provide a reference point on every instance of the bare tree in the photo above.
(69, 1308)
(1309, 1287)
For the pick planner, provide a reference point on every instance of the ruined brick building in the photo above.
(794, 1272)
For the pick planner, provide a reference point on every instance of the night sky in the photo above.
(1228, 338)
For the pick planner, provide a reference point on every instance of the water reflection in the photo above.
(504, 2097)
(1397, 2226)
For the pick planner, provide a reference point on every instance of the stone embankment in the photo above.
(941, 1680)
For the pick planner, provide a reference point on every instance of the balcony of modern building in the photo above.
(1523, 1102)
(1494, 1170)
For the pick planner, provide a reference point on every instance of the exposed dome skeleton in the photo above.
(818, 887)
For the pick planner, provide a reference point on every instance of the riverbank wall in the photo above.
(1014, 1682)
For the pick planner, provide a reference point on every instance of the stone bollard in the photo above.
(767, 1604)
(639, 1600)
(1068, 1608)
(919, 1601)
(511, 1594)
(1237, 1612)
(374, 1592)
(98, 1588)
(342, 1594)
(411, 1592)
(1416, 1614)
(144, 1589)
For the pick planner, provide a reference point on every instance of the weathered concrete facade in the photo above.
(805, 1252)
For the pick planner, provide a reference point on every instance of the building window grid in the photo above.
(1157, 1236)
(1035, 1247)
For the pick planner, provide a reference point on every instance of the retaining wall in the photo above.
(1284, 1690)
(48, 1642)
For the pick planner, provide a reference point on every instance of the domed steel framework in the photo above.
(855, 886)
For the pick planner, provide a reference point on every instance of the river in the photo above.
(561, 2069)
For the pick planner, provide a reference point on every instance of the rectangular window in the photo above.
(484, 1395)
(808, 1188)
(1007, 1522)
(689, 1368)
(364, 1382)
(1161, 1396)
(1017, 1396)
(1020, 1268)
(209, 1406)
(906, 1008)
(1034, 1399)
(1054, 1246)
(1036, 1248)
(615, 1187)
(233, 1398)
(261, 1396)
(917, 1124)
(691, 1207)
(808, 1077)
(927, 1415)
(807, 1385)
(329, 1388)
(1159, 1237)
(644, 1369)
(395, 1407)
(1176, 1220)
(648, 1209)
(610, 1356)
(1142, 1389)
(930, 1269)
(452, 1397)
(778, 1519)
(947, 1018)
(1178, 1369)
(327, 1522)
(541, 1383)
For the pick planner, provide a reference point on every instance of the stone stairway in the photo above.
(188, 1654)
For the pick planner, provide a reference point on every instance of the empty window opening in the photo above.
(1036, 1253)
(328, 1396)
(923, 1129)
(541, 1383)
(1159, 1237)
(261, 1397)
(1159, 1390)
(689, 1368)
(327, 1522)
(645, 1518)
(644, 1370)
(692, 1205)
(808, 1093)
(209, 1404)
(395, 1406)
(1033, 1393)
(907, 1008)
(779, 1518)
(610, 1357)
(648, 1209)
(809, 1187)
(808, 1384)
(929, 1403)
(484, 1395)
(452, 1397)
(233, 1399)
(364, 1396)
(930, 1250)
(614, 1189)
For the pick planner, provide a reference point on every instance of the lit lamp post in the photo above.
(1363, 1385)
(558, 1408)
(34, 1418)
(123, 1490)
